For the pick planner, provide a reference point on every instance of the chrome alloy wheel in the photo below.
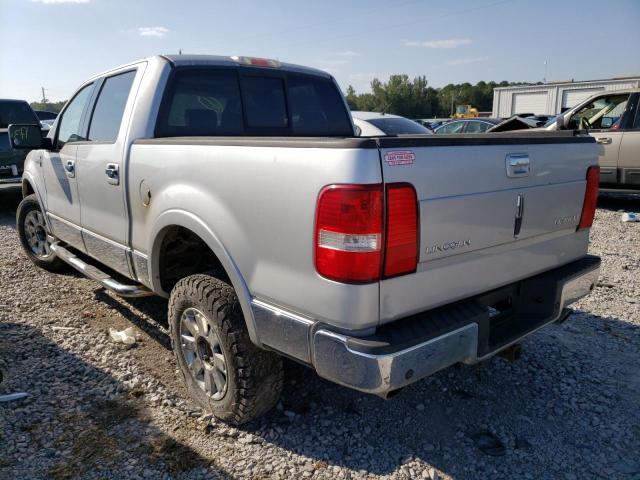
(36, 234)
(201, 350)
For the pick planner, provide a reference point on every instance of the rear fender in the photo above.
(188, 220)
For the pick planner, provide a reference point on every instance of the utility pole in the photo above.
(44, 97)
(546, 65)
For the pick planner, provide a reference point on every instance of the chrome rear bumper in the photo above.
(372, 366)
(381, 374)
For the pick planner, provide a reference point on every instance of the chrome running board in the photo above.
(98, 275)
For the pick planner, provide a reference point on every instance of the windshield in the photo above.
(16, 112)
(398, 126)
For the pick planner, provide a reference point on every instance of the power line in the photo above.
(324, 22)
(378, 28)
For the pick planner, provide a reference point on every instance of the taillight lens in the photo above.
(352, 235)
(401, 245)
(590, 198)
(349, 233)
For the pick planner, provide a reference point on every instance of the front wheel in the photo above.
(32, 231)
(225, 373)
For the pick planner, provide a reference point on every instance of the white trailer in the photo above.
(552, 98)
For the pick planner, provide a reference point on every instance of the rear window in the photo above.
(398, 126)
(317, 107)
(212, 102)
(16, 112)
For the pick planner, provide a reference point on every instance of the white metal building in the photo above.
(552, 98)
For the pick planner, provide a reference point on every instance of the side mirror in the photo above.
(25, 137)
(358, 130)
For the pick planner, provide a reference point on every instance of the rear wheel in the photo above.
(225, 373)
(32, 230)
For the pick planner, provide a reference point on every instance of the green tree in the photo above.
(49, 106)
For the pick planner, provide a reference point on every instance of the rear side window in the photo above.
(202, 103)
(317, 107)
(107, 114)
(225, 101)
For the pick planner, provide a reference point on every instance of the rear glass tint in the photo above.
(202, 104)
(264, 102)
(212, 101)
(317, 107)
(398, 126)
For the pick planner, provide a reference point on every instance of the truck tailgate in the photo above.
(494, 209)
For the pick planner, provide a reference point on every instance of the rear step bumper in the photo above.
(98, 275)
(470, 331)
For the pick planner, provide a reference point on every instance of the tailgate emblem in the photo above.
(399, 157)
(518, 165)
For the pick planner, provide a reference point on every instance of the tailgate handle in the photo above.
(518, 165)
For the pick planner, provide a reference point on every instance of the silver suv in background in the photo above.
(613, 118)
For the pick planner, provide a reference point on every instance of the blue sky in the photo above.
(59, 43)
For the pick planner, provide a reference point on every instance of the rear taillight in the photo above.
(590, 198)
(348, 234)
(401, 244)
(350, 238)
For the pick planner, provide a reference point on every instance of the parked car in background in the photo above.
(468, 125)
(46, 117)
(432, 123)
(613, 118)
(374, 124)
(540, 120)
(12, 161)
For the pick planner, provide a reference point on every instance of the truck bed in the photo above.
(260, 195)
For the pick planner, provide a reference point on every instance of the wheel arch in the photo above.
(176, 218)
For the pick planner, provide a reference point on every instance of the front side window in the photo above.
(107, 114)
(454, 127)
(69, 124)
(477, 127)
(636, 123)
(601, 113)
(264, 102)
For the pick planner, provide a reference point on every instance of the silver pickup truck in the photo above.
(236, 188)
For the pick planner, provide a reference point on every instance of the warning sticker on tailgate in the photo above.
(399, 157)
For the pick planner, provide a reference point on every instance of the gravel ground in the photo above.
(569, 408)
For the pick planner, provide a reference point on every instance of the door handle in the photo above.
(70, 167)
(518, 165)
(604, 140)
(112, 173)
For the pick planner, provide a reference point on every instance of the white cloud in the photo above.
(347, 53)
(153, 31)
(466, 61)
(50, 2)
(448, 43)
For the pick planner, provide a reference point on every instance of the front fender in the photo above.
(32, 176)
(190, 221)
